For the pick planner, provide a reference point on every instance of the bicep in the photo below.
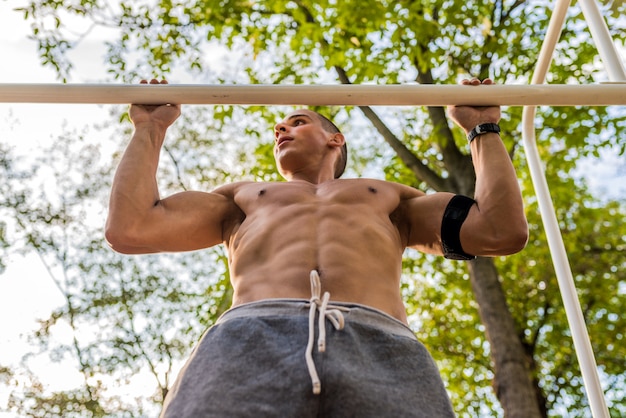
(195, 220)
(185, 221)
(475, 235)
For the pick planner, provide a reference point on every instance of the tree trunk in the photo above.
(513, 382)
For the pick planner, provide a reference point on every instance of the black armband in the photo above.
(453, 217)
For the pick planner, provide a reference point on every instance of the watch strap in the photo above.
(483, 128)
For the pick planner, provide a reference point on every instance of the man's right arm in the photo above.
(139, 221)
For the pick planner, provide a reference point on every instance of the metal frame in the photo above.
(530, 96)
(615, 70)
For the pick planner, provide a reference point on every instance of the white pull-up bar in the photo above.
(319, 95)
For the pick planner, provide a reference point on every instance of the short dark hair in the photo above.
(329, 126)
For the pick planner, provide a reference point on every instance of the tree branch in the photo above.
(462, 176)
(421, 170)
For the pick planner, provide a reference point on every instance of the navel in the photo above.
(261, 192)
(371, 189)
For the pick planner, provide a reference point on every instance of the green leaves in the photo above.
(310, 42)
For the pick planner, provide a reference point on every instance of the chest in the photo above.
(339, 194)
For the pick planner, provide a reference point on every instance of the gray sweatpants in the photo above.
(251, 363)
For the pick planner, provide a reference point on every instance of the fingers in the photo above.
(156, 81)
(475, 81)
(467, 116)
(153, 81)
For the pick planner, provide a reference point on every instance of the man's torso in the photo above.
(350, 231)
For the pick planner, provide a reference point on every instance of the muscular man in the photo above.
(314, 256)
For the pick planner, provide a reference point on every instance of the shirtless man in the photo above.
(291, 242)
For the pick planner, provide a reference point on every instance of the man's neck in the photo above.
(317, 177)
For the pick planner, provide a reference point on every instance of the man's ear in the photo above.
(337, 140)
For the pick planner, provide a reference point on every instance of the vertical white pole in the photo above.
(580, 336)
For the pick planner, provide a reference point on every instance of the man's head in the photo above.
(308, 134)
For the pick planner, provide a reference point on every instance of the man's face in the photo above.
(298, 139)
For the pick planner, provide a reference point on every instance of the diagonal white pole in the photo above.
(319, 95)
(580, 336)
(603, 41)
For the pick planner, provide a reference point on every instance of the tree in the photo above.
(405, 41)
(124, 316)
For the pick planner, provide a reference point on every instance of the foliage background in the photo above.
(129, 321)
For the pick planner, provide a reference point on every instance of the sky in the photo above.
(28, 127)
(26, 292)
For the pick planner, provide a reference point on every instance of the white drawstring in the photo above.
(332, 313)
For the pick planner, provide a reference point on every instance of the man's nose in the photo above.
(279, 128)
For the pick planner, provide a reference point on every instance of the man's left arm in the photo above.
(493, 222)
(496, 223)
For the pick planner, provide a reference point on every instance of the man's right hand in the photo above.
(160, 115)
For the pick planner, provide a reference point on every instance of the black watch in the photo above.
(483, 128)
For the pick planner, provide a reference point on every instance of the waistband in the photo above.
(353, 312)
(319, 306)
